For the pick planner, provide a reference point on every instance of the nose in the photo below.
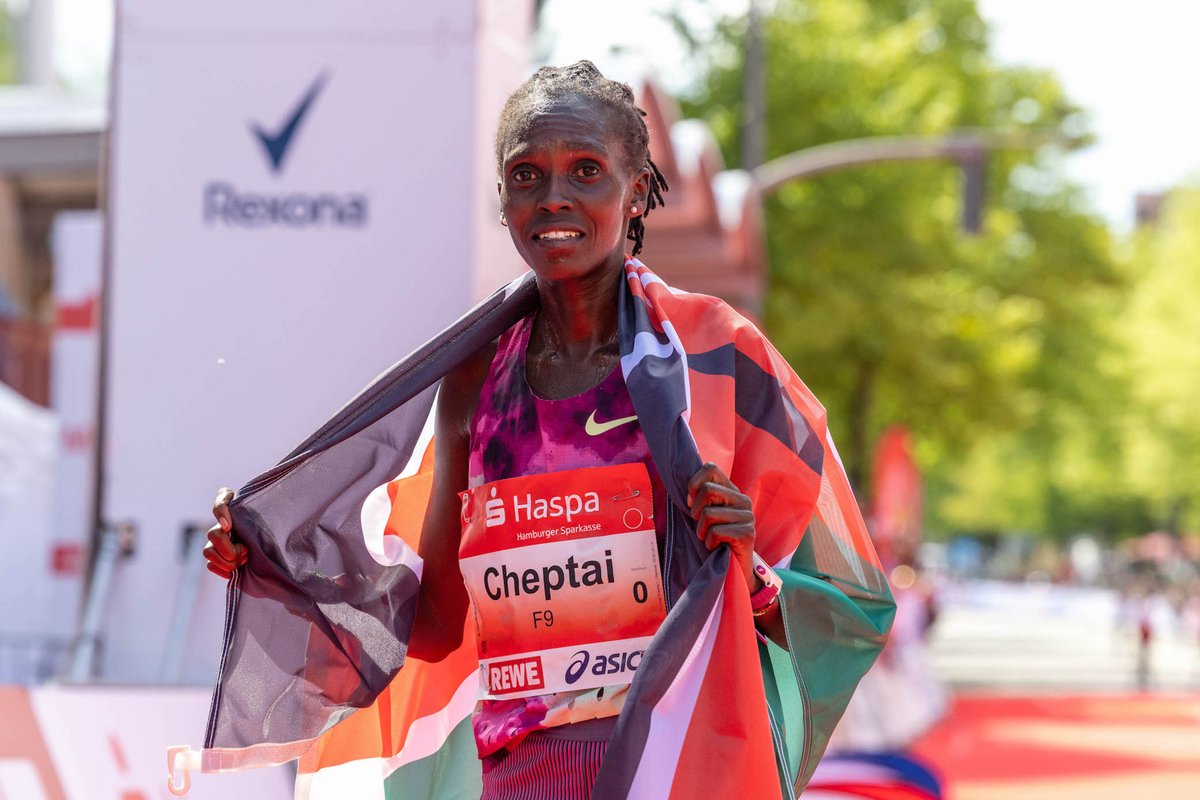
(556, 197)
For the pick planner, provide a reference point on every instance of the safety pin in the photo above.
(634, 493)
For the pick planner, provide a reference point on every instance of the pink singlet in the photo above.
(549, 745)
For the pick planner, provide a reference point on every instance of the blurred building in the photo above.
(50, 146)
(709, 236)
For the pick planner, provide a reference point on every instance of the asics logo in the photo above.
(610, 664)
(595, 428)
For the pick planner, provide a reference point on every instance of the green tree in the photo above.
(1162, 326)
(882, 304)
(8, 48)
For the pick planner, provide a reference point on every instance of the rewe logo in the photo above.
(276, 144)
(231, 206)
(516, 675)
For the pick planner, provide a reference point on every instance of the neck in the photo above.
(578, 316)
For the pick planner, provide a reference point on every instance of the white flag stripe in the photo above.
(391, 551)
(672, 715)
(644, 344)
(669, 329)
(386, 549)
(427, 734)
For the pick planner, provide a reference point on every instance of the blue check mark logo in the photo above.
(277, 144)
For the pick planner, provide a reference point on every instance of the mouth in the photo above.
(557, 236)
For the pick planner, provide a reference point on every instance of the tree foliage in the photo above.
(994, 349)
(8, 47)
(1162, 326)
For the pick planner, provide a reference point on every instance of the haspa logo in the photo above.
(231, 206)
(494, 509)
(528, 507)
(611, 664)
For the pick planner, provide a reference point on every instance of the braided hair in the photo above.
(583, 80)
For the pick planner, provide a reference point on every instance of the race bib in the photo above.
(563, 574)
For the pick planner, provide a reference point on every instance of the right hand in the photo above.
(222, 553)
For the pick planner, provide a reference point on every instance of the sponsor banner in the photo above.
(110, 742)
(26, 770)
(270, 254)
(563, 563)
(562, 669)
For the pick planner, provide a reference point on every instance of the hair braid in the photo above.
(582, 79)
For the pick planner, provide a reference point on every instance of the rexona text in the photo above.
(541, 507)
(504, 582)
(224, 203)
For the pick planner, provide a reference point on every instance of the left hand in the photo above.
(723, 514)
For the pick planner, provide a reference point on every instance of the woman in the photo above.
(548, 402)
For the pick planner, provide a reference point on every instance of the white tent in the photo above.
(29, 591)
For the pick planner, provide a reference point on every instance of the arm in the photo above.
(442, 598)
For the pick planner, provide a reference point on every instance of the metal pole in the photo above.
(755, 115)
(974, 168)
(969, 149)
(837, 156)
(103, 343)
(185, 602)
(85, 652)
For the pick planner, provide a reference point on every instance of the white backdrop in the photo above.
(254, 290)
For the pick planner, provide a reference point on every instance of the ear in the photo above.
(639, 193)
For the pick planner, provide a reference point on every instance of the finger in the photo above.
(221, 508)
(739, 537)
(215, 570)
(709, 472)
(221, 542)
(737, 520)
(213, 557)
(711, 493)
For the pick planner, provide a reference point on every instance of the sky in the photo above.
(1132, 65)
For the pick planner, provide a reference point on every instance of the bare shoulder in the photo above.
(460, 389)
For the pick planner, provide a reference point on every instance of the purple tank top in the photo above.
(514, 432)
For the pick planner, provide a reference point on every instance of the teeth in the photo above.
(558, 235)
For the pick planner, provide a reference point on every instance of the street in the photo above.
(1029, 637)
(1045, 703)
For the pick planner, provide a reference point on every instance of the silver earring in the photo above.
(503, 221)
(633, 209)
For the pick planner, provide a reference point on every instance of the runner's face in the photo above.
(566, 192)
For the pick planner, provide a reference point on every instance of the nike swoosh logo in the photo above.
(596, 428)
(276, 144)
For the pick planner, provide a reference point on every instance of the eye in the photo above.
(523, 174)
(588, 169)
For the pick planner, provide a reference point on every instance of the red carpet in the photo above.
(992, 747)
